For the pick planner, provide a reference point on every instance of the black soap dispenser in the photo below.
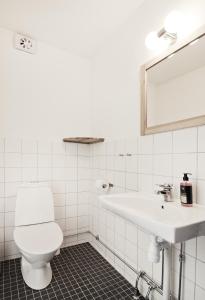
(186, 191)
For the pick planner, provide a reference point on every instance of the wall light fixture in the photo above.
(167, 35)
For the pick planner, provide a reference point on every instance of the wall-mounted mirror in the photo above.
(173, 88)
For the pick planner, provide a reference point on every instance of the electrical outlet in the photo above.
(25, 43)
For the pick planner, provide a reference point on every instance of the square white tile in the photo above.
(199, 293)
(1, 219)
(10, 204)
(44, 161)
(1, 235)
(9, 234)
(185, 140)
(163, 143)
(58, 160)
(131, 146)
(189, 266)
(45, 174)
(29, 160)
(71, 161)
(9, 219)
(59, 212)
(12, 145)
(2, 175)
(83, 221)
(84, 150)
(71, 199)
(29, 146)
(201, 139)
(71, 211)
(132, 181)
(131, 253)
(119, 225)
(58, 147)
(71, 223)
(59, 199)
(200, 271)
(2, 145)
(131, 233)
(83, 185)
(162, 164)
(71, 148)
(11, 189)
(145, 163)
(2, 189)
(145, 144)
(1, 205)
(119, 146)
(200, 248)
(13, 160)
(13, 174)
(145, 183)
(83, 210)
(119, 180)
(184, 163)
(71, 174)
(201, 166)
(2, 160)
(44, 147)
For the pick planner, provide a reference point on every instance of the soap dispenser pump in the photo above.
(186, 191)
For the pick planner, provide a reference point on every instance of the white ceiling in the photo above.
(80, 26)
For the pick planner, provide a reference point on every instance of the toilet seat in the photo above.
(39, 238)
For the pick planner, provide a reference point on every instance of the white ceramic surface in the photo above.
(38, 239)
(34, 204)
(37, 250)
(36, 234)
(168, 220)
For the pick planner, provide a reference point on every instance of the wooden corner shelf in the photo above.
(83, 140)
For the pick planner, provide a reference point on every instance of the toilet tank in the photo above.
(34, 204)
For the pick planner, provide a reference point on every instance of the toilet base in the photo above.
(36, 278)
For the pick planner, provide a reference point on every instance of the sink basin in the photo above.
(168, 220)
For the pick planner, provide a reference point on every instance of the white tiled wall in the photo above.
(131, 165)
(66, 167)
(154, 159)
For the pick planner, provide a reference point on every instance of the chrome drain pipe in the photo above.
(181, 260)
(144, 275)
(152, 285)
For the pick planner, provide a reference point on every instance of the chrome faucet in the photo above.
(165, 190)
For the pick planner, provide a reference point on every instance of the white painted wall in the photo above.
(116, 67)
(43, 95)
(79, 26)
(43, 98)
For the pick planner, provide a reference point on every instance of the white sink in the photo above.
(168, 220)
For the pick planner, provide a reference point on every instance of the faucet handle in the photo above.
(165, 186)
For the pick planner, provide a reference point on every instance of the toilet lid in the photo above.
(39, 238)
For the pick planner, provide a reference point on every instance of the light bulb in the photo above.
(164, 43)
(156, 43)
(152, 41)
(173, 22)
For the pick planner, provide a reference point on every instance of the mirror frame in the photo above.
(189, 122)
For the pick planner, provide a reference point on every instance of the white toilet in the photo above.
(36, 234)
